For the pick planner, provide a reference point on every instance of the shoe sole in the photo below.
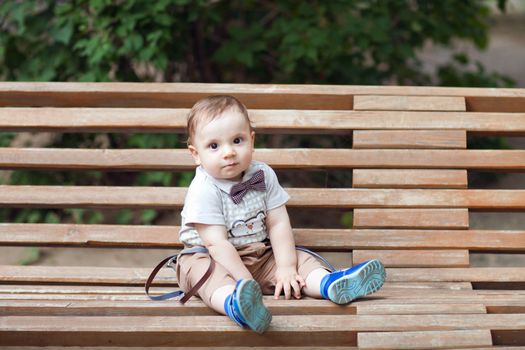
(251, 306)
(367, 280)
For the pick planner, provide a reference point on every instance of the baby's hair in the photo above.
(211, 107)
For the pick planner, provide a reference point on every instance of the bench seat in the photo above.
(397, 159)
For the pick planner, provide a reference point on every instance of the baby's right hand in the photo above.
(287, 279)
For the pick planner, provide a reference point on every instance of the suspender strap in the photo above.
(172, 260)
(199, 284)
(314, 254)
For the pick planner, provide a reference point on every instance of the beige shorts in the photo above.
(257, 257)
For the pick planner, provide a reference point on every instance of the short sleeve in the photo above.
(203, 205)
(276, 195)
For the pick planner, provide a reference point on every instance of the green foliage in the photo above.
(462, 72)
(347, 219)
(341, 42)
(6, 138)
(31, 256)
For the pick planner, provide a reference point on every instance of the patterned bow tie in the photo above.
(238, 191)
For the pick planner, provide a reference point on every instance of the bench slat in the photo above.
(391, 293)
(424, 340)
(409, 178)
(419, 309)
(217, 330)
(144, 307)
(42, 307)
(143, 236)
(409, 103)
(180, 159)
(57, 94)
(471, 274)
(411, 218)
(448, 139)
(170, 197)
(414, 258)
(137, 276)
(173, 120)
(81, 292)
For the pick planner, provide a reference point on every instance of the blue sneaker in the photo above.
(346, 285)
(245, 306)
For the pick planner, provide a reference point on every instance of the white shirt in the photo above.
(208, 202)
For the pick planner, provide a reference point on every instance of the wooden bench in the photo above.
(401, 166)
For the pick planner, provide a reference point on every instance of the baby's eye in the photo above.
(237, 140)
(213, 145)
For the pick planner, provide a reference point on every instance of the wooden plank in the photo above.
(144, 307)
(179, 159)
(81, 292)
(173, 95)
(444, 139)
(411, 218)
(173, 120)
(134, 307)
(137, 276)
(479, 240)
(388, 300)
(424, 340)
(409, 178)
(414, 258)
(419, 309)
(173, 197)
(409, 103)
(442, 159)
(471, 274)
(158, 236)
(177, 94)
(390, 293)
(219, 330)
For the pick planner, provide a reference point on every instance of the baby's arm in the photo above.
(283, 245)
(215, 238)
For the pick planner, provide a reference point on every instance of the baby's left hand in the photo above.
(287, 280)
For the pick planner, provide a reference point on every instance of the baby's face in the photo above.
(224, 146)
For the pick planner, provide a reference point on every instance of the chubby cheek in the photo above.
(247, 155)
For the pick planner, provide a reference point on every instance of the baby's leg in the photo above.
(312, 271)
(219, 297)
(191, 268)
(241, 301)
(313, 282)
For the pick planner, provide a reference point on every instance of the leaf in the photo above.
(33, 254)
(347, 219)
(52, 218)
(148, 216)
(124, 217)
(64, 33)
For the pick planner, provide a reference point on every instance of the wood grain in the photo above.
(409, 103)
(440, 139)
(293, 158)
(411, 218)
(424, 340)
(409, 178)
(173, 197)
(273, 121)
(414, 258)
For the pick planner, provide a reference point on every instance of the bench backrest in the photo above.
(382, 173)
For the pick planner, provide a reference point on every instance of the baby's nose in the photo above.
(228, 151)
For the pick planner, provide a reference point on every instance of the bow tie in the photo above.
(238, 191)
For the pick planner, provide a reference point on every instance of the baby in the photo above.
(237, 232)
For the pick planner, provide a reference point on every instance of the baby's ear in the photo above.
(194, 154)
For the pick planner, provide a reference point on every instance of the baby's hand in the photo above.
(287, 280)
